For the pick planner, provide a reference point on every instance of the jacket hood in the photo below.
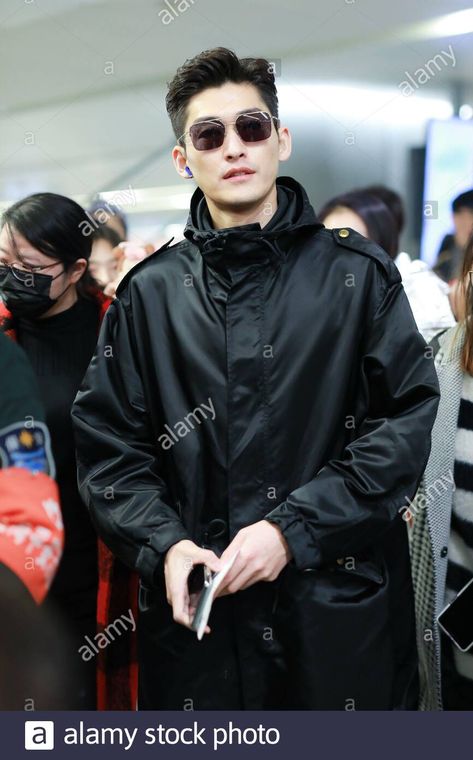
(252, 242)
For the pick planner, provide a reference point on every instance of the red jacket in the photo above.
(31, 529)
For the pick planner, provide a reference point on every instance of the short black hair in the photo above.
(463, 201)
(213, 68)
(380, 223)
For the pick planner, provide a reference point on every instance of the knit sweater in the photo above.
(460, 547)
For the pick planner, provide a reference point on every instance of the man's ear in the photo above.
(285, 143)
(180, 161)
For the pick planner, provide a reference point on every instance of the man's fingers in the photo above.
(180, 561)
(234, 571)
(206, 557)
(239, 573)
(232, 549)
(239, 581)
(180, 601)
(249, 582)
(180, 564)
(213, 562)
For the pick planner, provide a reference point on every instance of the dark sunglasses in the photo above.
(251, 127)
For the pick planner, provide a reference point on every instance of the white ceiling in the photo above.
(69, 127)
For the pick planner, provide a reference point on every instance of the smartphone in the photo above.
(456, 620)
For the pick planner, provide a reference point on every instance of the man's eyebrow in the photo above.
(219, 118)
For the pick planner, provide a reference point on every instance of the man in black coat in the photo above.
(260, 390)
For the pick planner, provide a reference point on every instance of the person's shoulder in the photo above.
(167, 255)
(347, 241)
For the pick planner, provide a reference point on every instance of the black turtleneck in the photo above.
(60, 349)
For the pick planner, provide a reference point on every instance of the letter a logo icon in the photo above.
(39, 734)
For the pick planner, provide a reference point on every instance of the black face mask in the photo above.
(29, 296)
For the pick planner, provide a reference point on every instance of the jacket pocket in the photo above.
(368, 569)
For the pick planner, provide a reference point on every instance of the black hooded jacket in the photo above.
(277, 373)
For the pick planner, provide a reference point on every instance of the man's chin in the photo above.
(240, 198)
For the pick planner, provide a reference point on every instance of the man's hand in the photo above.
(262, 554)
(178, 564)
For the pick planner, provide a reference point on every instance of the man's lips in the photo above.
(238, 173)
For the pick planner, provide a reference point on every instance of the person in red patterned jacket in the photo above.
(33, 644)
(31, 527)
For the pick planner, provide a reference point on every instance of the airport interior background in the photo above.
(371, 91)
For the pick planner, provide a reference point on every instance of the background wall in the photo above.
(84, 81)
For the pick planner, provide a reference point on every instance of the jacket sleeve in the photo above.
(119, 472)
(351, 500)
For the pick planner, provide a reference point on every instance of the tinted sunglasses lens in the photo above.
(207, 135)
(254, 127)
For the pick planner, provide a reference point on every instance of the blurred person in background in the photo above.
(449, 260)
(377, 212)
(31, 524)
(128, 255)
(365, 213)
(106, 256)
(450, 257)
(393, 201)
(109, 215)
(53, 308)
(442, 518)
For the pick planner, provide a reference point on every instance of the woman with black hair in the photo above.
(377, 212)
(53, 308)
(365, 213)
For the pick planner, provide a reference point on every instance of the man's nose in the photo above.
(233, 145)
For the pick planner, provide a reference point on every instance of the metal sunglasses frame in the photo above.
(229, 124)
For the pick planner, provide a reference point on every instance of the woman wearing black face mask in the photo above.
(53, 308)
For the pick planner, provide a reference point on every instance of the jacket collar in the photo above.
(250, 244)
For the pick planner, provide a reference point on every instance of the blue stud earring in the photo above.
(188, 172)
